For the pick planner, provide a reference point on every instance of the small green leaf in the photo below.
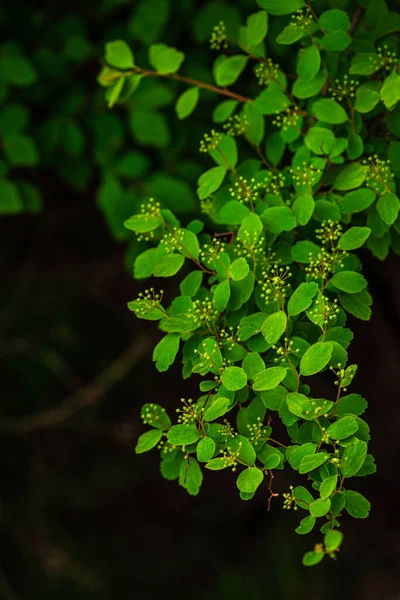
(168, 265)
(205, 449)
(390, 90)
(388, 206)
(222, 293)
(336, 41)
(166, 350)
(251, 325)
(182, 435)
(311, 462)
(356, 505)
(249, 480)
(234, 378)
(353, 403)
(190, 475)
(210, 181)
(269, 378)
(119, 55)
(357, 201)
(233, 213)
(353, 458)
(187, 102)
(283, 7)
(320, 507)
(309, 63)
(330, 111)
(218, 408)
(333, 20)
(302, 298)
(306, 525)
(271, 101)
(148, 440)
(274, 327)
(367, 97)
(342, 428)
(250, 229)
(316, 358)
(239, 269)
(278, 219)
(256, 28)
(312, 558)
(354, 238)
(165, 59)
(253, 364)
(350, 177)
(191, 284)
(349, 282)
(228, 70)
(303, 208)
(328, 486)
(358, 305)
(320, 140)
(364, 63)
(332, 540)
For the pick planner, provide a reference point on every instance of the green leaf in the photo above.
(187, 102)
(224, 110)
(249, 480)
(313, 461)
(216, 464)
(320, 507)
(20, 150)
(309, 63)
(168, 265)
(191, 284)
(350, 177)
(210, 181)
(10, 199)
(354, 238)
(312, 558)
(316, 358)
(326, 210)
(228, 70)
(297, 455)
(253, 364)
(166, 350)
(228, 147)
(144, 264)
(328, 486)
(333, 20)
(182, 435)
(274, 327)
(320, 140)
(190, 476)
(336, 41)
(306, 89)
(303, 251)
(244, 448)
(255, 128)
(234, 378)
(303, 208)
(239, 269)
(358, 305)
(218, 408)
(353, 403)
(390, 90)
(283, 7)
(143, 223)
(149, 128)
(170, 469)
(271, 101)
(165, 59)
(269, 378)
(353, 458)
(278, 219)
(332, 540)
(250, 325)
(356, 505)
(205, 449)
(329, 111)
(349, 282)
(357, 201)
(250, 229)
(364, 63)
(388, 207)
(233, 213)
(119, 55)
(342, 428)
(256, 28)
(222, 293)
(273, 398)
(302, 298)
(367, 97)
(290, 34)
(306, 525)
(355, 146)
(148, 440)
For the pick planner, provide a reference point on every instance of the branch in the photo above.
(356, 19)
(85, 396)
(189, 81)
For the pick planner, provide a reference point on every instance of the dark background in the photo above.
(81, 516)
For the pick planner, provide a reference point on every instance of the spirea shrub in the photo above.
(303, 154)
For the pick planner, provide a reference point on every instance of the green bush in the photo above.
(301, 174)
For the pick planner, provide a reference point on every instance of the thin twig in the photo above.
(356, 19)
(85, 396)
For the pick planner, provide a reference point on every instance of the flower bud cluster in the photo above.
(266, 72)
(289, 499)
(148, 300)
(344, 89)
(275, 285)
(305, 175)
(210, 141)
(203, 311)
(245, 191)
(379, 173)
(289, 118)
(218, 37)
(236, 125)
(189, 413)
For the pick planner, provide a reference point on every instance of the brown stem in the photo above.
(356, 19)
(189, 81)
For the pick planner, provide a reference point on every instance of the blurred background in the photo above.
(81, 516)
